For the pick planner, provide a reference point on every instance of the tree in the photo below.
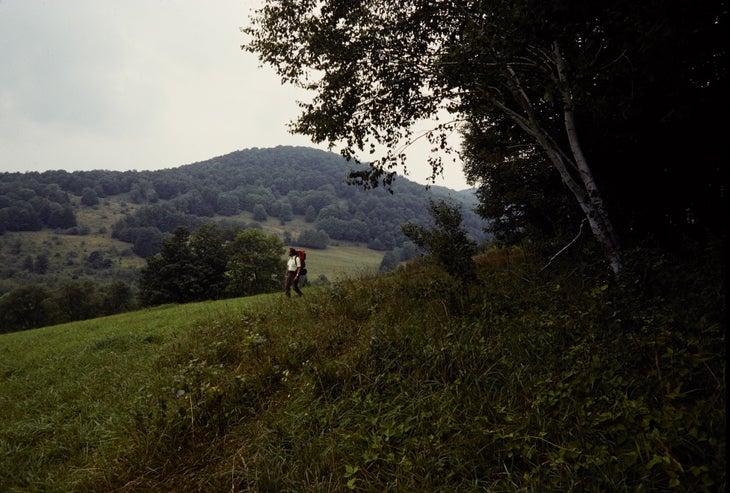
(170, 276)
(41, 264)
(206, 245)
(513, 193)
(116, 297)
(310, 214)
(312, 238)
(22, 218)
(389, 262)
(259, 213)
(255, 263)
(206, 265)
(285, 213)
(89, 197)
(28, 263)
(447, 242)
(26, 307)
(546, 72)
(147, 241)
(228, 204)
(97, 260)
(76, 300)
(60, 216)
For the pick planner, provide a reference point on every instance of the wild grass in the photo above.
(528, 381)
(67, 392)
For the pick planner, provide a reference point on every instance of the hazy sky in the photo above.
(140, 84)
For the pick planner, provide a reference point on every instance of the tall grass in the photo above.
(404, 382)
(67, 392)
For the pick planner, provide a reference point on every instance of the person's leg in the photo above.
(296, 287)
(288, 283)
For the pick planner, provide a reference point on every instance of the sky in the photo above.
(142, 85)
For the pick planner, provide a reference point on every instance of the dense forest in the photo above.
(577, 119)
(281, 183)
(304, 191)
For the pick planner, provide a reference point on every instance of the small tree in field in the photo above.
(447, 241)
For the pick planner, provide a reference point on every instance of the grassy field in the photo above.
(336, 262)
(67, 392)
(402, 382)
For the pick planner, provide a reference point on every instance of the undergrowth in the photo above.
(525, 381)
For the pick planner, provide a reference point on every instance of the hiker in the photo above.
(293, 270)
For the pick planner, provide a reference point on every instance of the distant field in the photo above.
(336, 262)
(67, 253)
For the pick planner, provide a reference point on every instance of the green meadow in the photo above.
(67, 391)
(524, 381)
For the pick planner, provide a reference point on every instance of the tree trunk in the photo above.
(586, 190)
(596, 212)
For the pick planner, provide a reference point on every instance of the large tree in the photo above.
(542, 69)
(255, 263)
(171, 276)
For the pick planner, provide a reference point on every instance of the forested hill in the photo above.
(285, 182)
(282, 182)
(299, 193)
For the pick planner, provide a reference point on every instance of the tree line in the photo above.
(212, 263)
(590, 121)
(207, 263)
(37, 305)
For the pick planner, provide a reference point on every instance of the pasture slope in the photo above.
(560, 380)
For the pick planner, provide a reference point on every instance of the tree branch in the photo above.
(580, 232)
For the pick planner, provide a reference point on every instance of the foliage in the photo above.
(447, 241)
(89, 197)
(555, 381)
(204, 265)
(312, 238)
(259, 213)
(569, 84)
(255, 263)
(25, 308)
(521, 195)
(286, 183)
(32, 306)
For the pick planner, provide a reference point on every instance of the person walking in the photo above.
(293, 270)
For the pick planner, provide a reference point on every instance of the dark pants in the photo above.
(292, 282)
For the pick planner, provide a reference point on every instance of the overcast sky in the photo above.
(140, 84)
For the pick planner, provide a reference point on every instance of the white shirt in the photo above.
(293, 263)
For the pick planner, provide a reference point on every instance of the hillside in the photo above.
(526, 381)
(98, 227)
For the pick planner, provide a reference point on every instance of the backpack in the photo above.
(302, 254)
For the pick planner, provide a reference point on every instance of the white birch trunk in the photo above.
(585, 189)
(595, 210)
